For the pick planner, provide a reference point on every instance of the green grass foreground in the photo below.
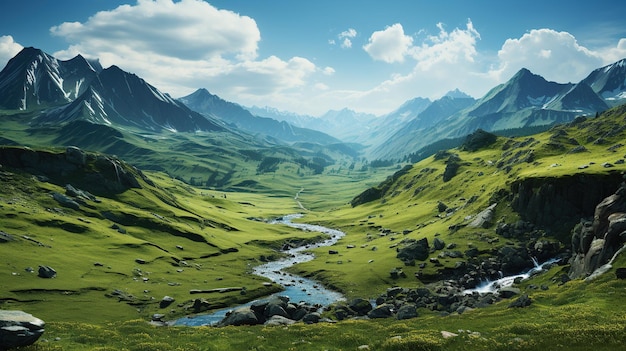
(552, 323)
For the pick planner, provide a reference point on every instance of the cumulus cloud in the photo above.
(8, 49)
(389, 45)
(347, 37)
(201, 46)
(556, 56)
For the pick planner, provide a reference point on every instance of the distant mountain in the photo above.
(526, 100)
(435, 112)
(116, 97)
(345, 124)
(212, 106)
(34, 79)
(609, 82)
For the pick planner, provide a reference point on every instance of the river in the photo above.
(296, 288)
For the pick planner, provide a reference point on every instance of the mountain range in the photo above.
(80, 89)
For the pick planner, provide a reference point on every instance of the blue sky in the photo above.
(312, 56)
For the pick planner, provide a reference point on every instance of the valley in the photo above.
(121, 212)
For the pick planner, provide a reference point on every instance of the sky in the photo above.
(311, 56)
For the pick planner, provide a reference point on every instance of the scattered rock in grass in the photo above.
(65, 201)
(47, 272)
(19, 329)
(166, 301)
(447, 334)
(5, 237)
(522, 301)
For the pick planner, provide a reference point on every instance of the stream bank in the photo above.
(297, 289)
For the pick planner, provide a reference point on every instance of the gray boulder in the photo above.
(279, 320)
(312, 318)
(242, 316)
(414, 250)
(46, 272)
(383, 311)
(65, 201)
(18, 329)
(407, 311)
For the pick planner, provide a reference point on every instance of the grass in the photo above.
(588, 321)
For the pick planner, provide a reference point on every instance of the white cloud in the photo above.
(328, 71)
(184, 45)
(350, 33)
(346, 44)
(389, 45)
(557, 56)
(345, 37)
(8, 49)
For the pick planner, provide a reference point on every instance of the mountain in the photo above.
(123, 99)
(609, 82)
(212, 106)
(34, 79)
(438, 110)
(524, 102)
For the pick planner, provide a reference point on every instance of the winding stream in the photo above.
(296, 288)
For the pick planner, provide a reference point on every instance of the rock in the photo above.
(484, 218)
(75, 156)
(508, 292)
(241, 316)
(407, 311)
(360, 306)
(383, 311)
(452, 167)
(312, 318)
(18, 329)
(522, 301)
(478, 140)
(439, 244)
(166, 301)
(279, 320)
(414, 250)
(65, 201)
(46, 272)
(447, 334)
(5, 237)
(140, 261)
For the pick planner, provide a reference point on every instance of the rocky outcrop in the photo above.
(595, 242)
(559, 203)
(18, 329)
(98, 174)
(275, 311)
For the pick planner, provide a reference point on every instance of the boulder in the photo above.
(508, 292)
(241, 316)
(279, 320)
(18, 329)
(407, 311)
(484, 218)
(360, 306)
(522, 301)
(166, 301)
(383, 311)
(312, 318)
(439, 244)
(46, 272)
(414, 250)
(65, 201)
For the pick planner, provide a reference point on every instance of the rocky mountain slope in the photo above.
(213, 106)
